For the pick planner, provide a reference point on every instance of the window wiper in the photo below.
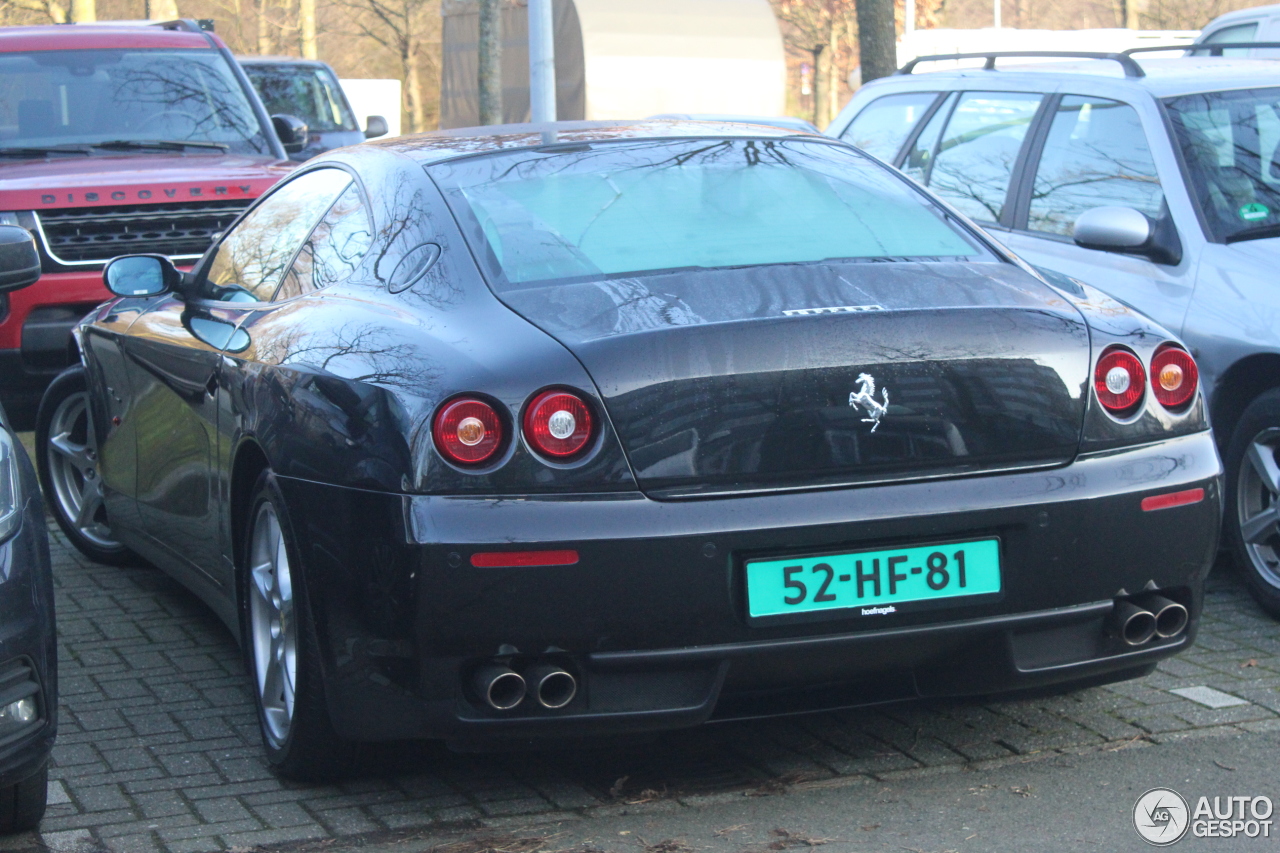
(1259, 232)
(156, 144)
(39, 150)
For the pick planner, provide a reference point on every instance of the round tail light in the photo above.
(1174, 376)
(467, 431)
(558, 424)
(1119, 381)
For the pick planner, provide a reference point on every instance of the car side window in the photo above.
(334, 249)
(1238, 33)
(885, 123)
(1096, 155)
(975, 158)
(920, 156)
(252, 258)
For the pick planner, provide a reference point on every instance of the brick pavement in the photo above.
(159, 749)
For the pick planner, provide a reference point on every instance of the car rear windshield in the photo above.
(309, 92)
(84, 97)
(612, 209)
(1231, 144)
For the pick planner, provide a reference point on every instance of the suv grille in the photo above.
(98, 234)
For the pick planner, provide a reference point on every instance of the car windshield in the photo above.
(604, 210)
(80, 98)
(309, 92)
(1231, 144)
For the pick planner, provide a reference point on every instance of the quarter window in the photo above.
(975, 158)
(334, 249)
(882, 127)
(252, 259)
(1096, 155)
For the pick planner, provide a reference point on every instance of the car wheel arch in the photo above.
(1241, 384)
(249, 463)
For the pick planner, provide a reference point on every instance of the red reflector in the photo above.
(1190, 496)
(511, 559)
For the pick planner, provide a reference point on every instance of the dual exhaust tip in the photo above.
(502, 688)
(1147, 616)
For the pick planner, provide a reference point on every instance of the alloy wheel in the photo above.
(72, 454)
(1258, 505)
(273, 628)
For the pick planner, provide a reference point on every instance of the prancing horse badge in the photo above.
(865, 397)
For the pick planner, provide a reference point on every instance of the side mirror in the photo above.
(1127, 231)
(19, 260)
(376, 126)
(292, 131)
(141, 275)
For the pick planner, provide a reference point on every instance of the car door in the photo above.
(1095, 152)
(173, 355)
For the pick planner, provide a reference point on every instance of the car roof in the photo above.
(1250, 14)
(63, 37)
(1165, 77)
(460, 142)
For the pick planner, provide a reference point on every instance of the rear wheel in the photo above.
(1252, 518)
(280, 647)
(67, 459)
(22, 804)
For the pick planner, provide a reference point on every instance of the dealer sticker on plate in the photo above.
(872, 582)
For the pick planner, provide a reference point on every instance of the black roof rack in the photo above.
(1131, 68)
(1214, 49)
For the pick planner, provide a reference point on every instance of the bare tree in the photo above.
(877, 41)
(410, 31)
(490, 62)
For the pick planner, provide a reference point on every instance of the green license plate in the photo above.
(872, 583)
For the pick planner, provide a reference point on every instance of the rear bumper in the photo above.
(652, 619)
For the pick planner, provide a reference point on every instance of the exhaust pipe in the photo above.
(500, 686)
(1133, 624)
(550, 686)
(1171, 617)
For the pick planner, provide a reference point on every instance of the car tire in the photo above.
(22, 804)
(281, 649)
(1252, 506)
(67, 461)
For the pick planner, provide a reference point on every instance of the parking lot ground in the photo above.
(159, 750)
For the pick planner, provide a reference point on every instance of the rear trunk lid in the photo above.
(810, 375)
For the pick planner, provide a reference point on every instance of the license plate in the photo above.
(873, 583)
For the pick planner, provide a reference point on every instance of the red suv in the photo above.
(117, 140)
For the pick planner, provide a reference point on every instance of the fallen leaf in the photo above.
(1249, 662)
(1223, 766)
(616, 790)
(869, 827)
(728, 829)
(1022, 790)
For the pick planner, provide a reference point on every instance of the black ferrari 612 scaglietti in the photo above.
(590, 428)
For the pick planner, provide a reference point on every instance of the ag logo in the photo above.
(1161, 816)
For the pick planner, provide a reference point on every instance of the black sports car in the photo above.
(590, 428)
(28, 651)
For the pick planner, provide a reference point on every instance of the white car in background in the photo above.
(1261, 23)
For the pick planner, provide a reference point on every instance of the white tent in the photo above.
(626, 59)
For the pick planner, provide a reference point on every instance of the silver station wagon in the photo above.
(1155, 178)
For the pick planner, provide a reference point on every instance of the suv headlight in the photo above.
(10, 488)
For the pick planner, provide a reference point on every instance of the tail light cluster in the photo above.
(470, 432)
(1120, 382)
